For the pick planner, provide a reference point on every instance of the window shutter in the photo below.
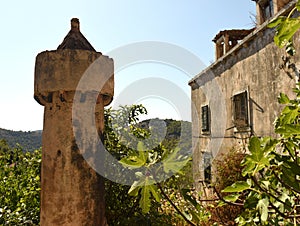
(205, 118)
(207, 158)
(240, 106)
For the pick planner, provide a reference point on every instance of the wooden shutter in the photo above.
(240, 104)
(205, 118)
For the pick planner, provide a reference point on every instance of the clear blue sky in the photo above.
(29, 27)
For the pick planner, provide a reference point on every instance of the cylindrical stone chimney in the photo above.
(72, 193)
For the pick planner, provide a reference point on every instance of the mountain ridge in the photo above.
(28, 140)
(32, 140)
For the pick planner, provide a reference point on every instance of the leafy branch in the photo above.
(286, 27)
(146, 184)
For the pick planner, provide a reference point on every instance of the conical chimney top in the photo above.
(75, 39)
(75, 24)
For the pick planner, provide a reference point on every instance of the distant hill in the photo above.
(30, 140)
(179, 133)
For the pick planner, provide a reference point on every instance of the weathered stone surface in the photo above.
(62, 70)
(72, 193)
(75, 39)
(254, 65)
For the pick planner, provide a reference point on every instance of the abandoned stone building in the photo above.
(236, 96)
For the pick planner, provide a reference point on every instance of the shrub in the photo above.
(19, 186)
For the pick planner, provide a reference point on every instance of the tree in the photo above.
(19, 186)
(153, 165)
(20, 177)
(121, 136)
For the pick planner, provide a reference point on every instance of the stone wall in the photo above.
(255, 65)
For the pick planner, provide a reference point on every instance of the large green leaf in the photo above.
(286, 30)
(133, 161)
(257, 157)
(137, 159)
(135, 187)
(262, 206)
(276, 22)
(293, 166)
(251, 201)
(289, 115)
(146, 187)
(290, 178)
(154, 191)
(231, 198)
(146, 192)
(254, 148)
(238, 186)
(283, 99)
(145, 201)
(173, 163)
(288, 130)
(269, 144)
(249, 166)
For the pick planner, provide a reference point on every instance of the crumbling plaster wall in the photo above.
(254, 65)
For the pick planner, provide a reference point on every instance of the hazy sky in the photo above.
(29, 27)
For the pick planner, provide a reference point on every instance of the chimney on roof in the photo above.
(69, 182)
(225, 40)
(75, 24)
(75, 39)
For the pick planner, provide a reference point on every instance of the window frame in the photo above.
(240, 109)
(205, 127)
(207, 166)
(266, 9)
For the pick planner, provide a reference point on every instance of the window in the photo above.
(205, 118)
(207, 156)
(240, 110)
(267, 9)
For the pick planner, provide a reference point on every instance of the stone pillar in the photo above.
(226, 43)
(219, 48)
(72, 193)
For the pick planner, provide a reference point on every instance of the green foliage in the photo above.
(122, 130)
(238, 186)
(286, 27)
(151, 198)
(20, 174)
(19, 186)
(227, 170)
(123, 209)
(152, 165)
(124, 138)
(172, 162)
(272, 169)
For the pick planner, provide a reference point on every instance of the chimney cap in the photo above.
(75, 24)
(75, 39)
